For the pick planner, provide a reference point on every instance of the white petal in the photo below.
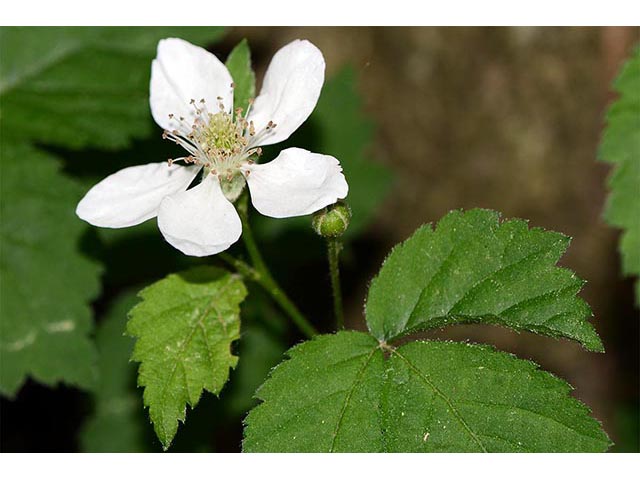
(133, 195)
(297, 182)
(182, 72)
(200, 221)
(290, 90)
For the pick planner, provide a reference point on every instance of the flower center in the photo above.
(220, 142)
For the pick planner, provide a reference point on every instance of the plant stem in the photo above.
(260, 274)
(334, 245)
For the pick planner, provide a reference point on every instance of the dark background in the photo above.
(502, 118)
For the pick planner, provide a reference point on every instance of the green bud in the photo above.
(332, 221)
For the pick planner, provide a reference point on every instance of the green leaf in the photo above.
(621, 146)
(325, 399)
(79, 87)
(339, 127)
(47, 282)
(239, 65)
(115, 424)
(474, 269)
(337, 393)
(184, 326)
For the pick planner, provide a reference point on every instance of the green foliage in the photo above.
(621, 147)
(115, 424)
(325, 399)
(474, 269)
(339, 127)
(184, 327)
(69, 87)
(356, 392)
(338, 393)
(81, 87)
(47, 282)
(239, 65)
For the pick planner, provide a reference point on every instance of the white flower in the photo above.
(192, 98)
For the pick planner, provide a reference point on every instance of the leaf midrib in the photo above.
(186, 343)
(39, 67)
(347, 399)
(446, 399)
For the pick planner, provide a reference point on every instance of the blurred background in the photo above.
(431, 119)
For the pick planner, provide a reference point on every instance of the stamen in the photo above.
(220, 141)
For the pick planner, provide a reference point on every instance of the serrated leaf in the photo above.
(81, 86)
(324, 399)
(338, 127)
(115, 425)
(621, 146)
(474, 269)
(337, 393)
(47, 282)
(448, 397)
(239, 65)
(184, 326)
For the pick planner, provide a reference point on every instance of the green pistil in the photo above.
(221, 134)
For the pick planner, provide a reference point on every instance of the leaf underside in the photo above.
(338, 393)
(184, 327)
(474, 269)
(45, 319)
(621, 147)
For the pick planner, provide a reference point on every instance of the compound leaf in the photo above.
(184, 327)
(473, 269)
(337, 393)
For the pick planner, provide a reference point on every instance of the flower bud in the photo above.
(332, 221)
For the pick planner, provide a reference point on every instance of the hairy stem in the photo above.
(334, 245)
